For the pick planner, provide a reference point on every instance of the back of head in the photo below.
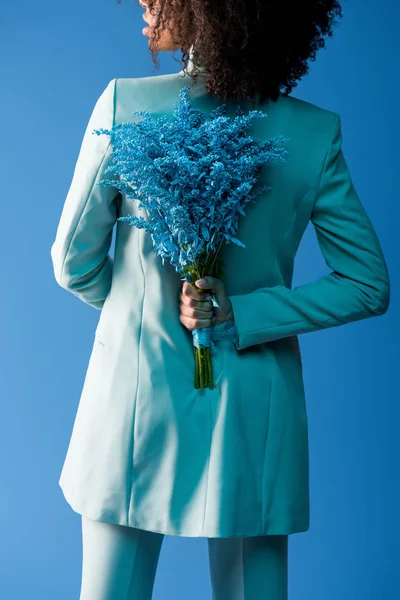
(244, 48)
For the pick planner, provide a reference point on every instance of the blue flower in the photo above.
(193, 174)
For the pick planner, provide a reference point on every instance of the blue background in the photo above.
(56, 59)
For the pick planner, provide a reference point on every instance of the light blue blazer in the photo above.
(147, 449)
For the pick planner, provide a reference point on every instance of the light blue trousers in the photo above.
(120, 563)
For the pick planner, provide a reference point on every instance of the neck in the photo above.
(193, 61)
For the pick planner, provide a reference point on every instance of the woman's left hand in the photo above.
(196, 312)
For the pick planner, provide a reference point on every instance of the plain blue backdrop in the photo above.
(56, 59)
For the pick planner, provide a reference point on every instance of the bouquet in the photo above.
(193, 174)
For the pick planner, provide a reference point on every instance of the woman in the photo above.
(149, 454)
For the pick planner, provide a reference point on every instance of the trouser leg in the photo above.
(249, 568)
(119, 563)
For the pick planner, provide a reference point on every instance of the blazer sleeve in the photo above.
(79, 252)
(358, 286)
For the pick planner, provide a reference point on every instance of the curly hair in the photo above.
(246, 48)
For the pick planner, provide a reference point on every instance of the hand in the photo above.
(197, 312)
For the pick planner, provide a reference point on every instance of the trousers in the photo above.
(120, 563)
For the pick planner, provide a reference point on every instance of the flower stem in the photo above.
(203, 375)
(196, 368)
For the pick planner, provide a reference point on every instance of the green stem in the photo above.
(196, 368)
(201, 369)
(203, 376)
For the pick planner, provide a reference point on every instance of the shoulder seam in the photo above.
(317, 180)
(114, 101)
(320, 174)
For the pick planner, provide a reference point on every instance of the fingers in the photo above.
(195, 311)
(190, 291)
(190, 301)
(194, 308)
(209, 283)
(193, 323)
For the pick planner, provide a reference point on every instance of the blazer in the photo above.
(147, 449)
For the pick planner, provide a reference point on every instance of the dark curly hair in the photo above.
(247, 48)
